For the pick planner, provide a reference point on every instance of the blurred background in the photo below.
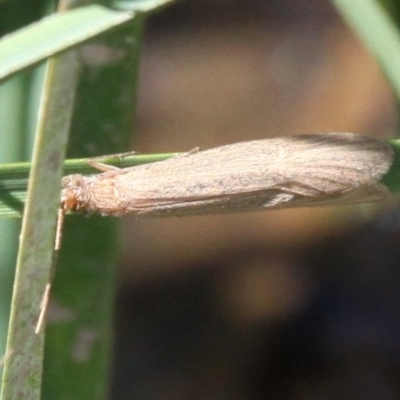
(298, 304)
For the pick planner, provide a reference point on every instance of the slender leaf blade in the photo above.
(55, 33)
(22, 377)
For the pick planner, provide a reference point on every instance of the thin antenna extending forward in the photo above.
(59, 227)
(57, 246)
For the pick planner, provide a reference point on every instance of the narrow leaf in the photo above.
(56, 33)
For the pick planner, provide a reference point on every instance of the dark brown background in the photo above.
(298, 304)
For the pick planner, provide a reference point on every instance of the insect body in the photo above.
(303, 170)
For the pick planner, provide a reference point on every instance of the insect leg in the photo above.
(101, 166)
(97, 162)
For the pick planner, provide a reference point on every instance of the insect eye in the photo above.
(71, 181)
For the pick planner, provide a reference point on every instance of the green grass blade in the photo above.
(12, 112)
(22, 377)
(56, 33)
(141, 5)
(79, 333)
